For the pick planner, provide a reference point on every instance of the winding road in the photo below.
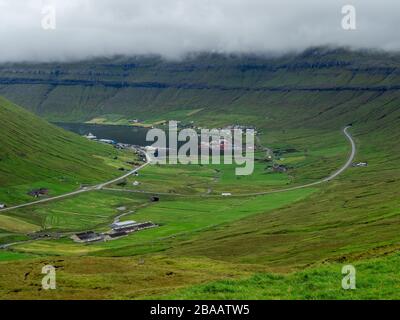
(148, 161)
(329, 178)
(83, 190)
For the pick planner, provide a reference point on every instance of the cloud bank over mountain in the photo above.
(172, 28)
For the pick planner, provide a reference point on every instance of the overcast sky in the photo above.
(86, 28)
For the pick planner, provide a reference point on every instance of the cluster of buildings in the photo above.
(118, 229)
(240, 127)
(122, 146)
(117, 145)
(91, 136)
(222, 144)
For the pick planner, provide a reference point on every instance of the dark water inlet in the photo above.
(122, 134)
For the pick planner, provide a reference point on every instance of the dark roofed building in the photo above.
(279, 168)
(88, 236)
(38, 192)
(115, 235)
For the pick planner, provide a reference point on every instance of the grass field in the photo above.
(86, 211)
(375, 279)
(178, 220)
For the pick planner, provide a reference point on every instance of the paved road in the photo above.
(83, 190)
(329, 178)
(351, 157)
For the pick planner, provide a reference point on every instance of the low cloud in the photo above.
(172, 28)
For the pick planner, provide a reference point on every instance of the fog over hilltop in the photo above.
(172, 28)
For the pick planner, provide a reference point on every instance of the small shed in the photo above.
(38, 192)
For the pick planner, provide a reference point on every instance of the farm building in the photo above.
(2, 206)
(130, 226)
(140, 226)
(154, 199)
(226, 194)
(279, 168)
(88, 236)
(123, 225)
(115, 235)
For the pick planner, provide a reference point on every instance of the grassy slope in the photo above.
(34, 154)
(110, 278)
(179, 219)
(336, 221)
(376, 278)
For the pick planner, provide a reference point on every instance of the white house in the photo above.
(90, 136)
(226, 194)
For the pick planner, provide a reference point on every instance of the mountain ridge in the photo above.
(140, 87)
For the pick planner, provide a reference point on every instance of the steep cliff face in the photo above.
(318, 83)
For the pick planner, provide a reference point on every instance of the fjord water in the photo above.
(122, 134)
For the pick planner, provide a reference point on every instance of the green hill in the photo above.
(36, 154)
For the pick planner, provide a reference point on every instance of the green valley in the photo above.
(273, 235)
